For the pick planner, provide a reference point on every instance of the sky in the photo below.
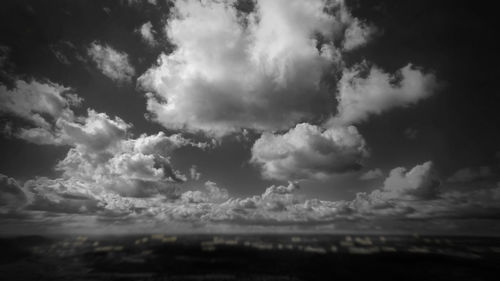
(196, 116)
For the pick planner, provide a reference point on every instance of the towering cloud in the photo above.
(307, 151)
(112, 63)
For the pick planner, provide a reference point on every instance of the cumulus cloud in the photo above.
(371, 174)
(95, 132)
(262, 70)
(147, 33)
(128, 166)
(420, 182)
(112, 63)
(470, 174)
(359, 97)
(307, 151)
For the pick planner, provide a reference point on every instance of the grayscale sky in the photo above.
(248, 116)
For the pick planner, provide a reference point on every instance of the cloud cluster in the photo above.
(137, 167)
(268, 69)
(307, 151)
(263, 70)
(103, 155)
(112, 63)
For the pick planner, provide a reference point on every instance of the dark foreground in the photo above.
(255, 257)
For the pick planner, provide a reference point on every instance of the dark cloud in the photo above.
(470, 174)
(371, 174)
(11, 194)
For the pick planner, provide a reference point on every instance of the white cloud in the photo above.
(307, 151)
(264, 70)
(42, 106)
(112, 63)
(128, 166)
(372, 174)
(38, 102)
(147, 33)
(268, 70)
(95, 132)
(359, 97)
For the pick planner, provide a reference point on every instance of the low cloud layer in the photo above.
(112, 63)
(405, 195)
